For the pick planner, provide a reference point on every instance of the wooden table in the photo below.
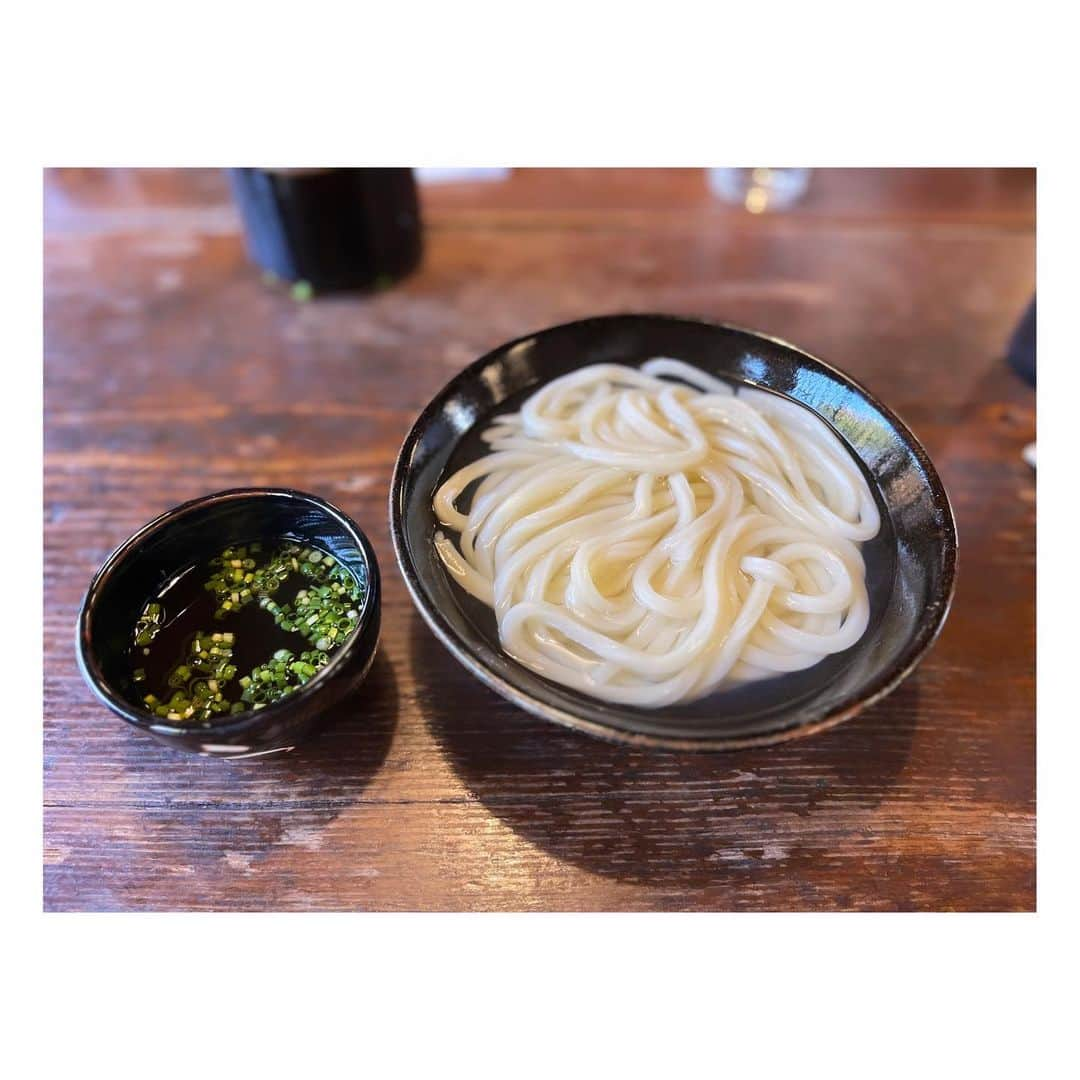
(171, 370)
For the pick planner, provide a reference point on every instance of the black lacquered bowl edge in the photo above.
(930, 623)
(304, 702)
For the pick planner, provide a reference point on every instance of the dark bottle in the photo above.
(332, 228)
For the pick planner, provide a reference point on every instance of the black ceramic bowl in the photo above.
(910, 564)
(197, 531)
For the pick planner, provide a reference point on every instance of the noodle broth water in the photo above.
(761, 695)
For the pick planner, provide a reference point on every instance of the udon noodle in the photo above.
(647, 541)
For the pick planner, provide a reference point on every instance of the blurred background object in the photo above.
(460, 175)
(1021, 358)
(760, 189)
(1021, 354)
(330, 229)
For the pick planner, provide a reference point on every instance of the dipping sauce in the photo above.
(244, 630)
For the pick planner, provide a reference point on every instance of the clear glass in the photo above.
(759, 190)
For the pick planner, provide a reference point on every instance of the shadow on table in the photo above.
(653, 816)
(201, 809)
(354, 735)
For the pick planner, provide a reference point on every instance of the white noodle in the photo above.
(648, 541)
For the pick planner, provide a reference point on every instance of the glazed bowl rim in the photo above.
(927, 629)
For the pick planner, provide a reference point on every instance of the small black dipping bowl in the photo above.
(197, 531)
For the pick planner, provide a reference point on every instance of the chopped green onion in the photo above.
(324, 612)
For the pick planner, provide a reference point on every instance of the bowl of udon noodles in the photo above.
(672, 533)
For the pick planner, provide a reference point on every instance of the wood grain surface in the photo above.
(171, 371)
